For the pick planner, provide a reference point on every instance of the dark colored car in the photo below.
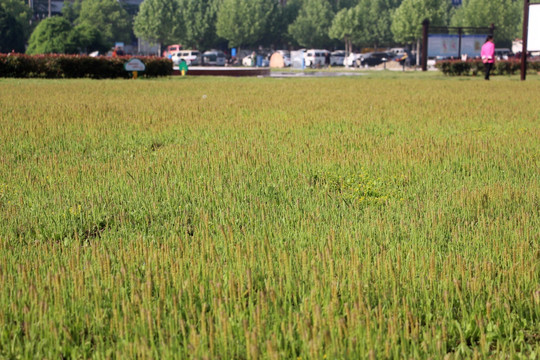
(503, 54)
(374, 58)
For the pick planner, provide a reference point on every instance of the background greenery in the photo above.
(202, 24)
(270, 218)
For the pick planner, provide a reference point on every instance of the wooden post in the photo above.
(425, 31)
(460, 33)
(524, 44)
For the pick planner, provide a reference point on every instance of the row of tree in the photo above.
(91, 25)
(316, 23)
(83, 27)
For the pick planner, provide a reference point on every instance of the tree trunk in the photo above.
(418, 52)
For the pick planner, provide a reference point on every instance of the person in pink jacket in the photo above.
(488, 55)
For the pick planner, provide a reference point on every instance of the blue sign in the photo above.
(456, 2)
(233, 52)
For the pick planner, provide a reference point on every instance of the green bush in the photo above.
(16, 66)
(474, 67)
(533, 66)
(74, 66)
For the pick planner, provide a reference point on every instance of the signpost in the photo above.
(183, 67)
(134, 65)
(454, 45)
(447, 44)
(531, 33)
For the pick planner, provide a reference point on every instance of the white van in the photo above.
(337, 58)
(314, 57)
(191, 57)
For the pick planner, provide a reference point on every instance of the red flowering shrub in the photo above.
(475, 66)
(75, 66)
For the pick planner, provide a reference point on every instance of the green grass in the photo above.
(381, 216)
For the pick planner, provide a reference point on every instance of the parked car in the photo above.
(374, 58)
(249, 60)
(397, 52)
(256, 60)
(314, 57)
(351, 60)
(171, 49)
(337, 58)
(191, 57)
(214, 58)
(503, 54)
(286, 57)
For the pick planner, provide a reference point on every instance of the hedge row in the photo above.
(75, 66)
(474, 67)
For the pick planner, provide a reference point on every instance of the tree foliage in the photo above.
(15, 18)
(343, 27)
(53, 36)
(158, 21)
(19, 10)
(88, 39)
(408, 18)
(338, 5)
(366, 24)
(243, 22)
(506, 15)
(199, 22)
(109, 17)
(12, 33)
(311, 27)
(277, 33)
(71, 10)
(378, 19)
(203, 24)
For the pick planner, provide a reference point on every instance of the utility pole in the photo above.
(425, 32)
(524, 44)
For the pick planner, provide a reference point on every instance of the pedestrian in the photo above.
(327, 59)
(488, 55)
(253, 58)
(404, 59)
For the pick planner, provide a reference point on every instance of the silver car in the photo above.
(214, 58)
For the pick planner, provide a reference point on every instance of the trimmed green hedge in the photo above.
(474, 67)
(75, 66)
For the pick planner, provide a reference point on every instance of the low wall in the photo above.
(225, 71)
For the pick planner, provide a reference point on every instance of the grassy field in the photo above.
(380, 216)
